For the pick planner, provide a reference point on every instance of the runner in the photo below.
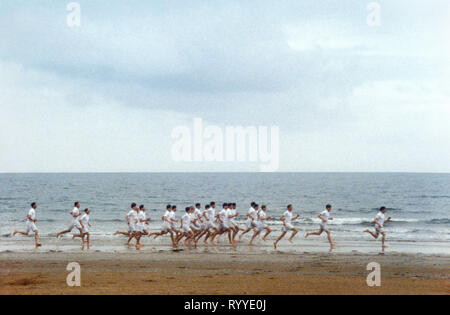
(75, 213)
(31, 225)
(287, 225)
(324, 216)
(380, 220)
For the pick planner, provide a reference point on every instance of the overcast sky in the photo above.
(105, 96)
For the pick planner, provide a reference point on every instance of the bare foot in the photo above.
(38, 245)
(275, 245)
(290, 241)
(306, 235)
(366, 231)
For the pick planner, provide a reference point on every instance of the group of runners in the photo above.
(197, 223)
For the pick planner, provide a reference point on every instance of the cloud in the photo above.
(105, 96)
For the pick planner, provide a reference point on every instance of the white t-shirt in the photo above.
(252, 212)
(380, 218)
(262, 216)
(75, 212)
(132, 217)
(84, 219)
(167, 215)
(141, 216)
(171, 216)
(210, 213)
(325, 215)
(197, 214)
(223, 214)
(32, 214)
(287, 216)
(186, 220)
(232, 212)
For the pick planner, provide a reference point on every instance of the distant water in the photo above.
(418, 203)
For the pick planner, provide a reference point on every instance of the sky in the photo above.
(105, 96)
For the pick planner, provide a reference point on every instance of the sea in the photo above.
(418, 203)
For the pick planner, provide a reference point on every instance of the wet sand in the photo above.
(190, 272)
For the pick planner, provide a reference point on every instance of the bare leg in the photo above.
(36, 239)
(138, 239)
(122, 233)
(255, 234)
(292, 235)
(313, 233)
(332, 244)
(278, 239)
(267, 233)
(130, 237)
(20, 232)
(245, 232)
(383, 238)
(208, 234)
(375, 235)
(62, 232)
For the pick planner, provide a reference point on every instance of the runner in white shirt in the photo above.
(234, 225)
(287, 225)
(206, 225)
(380, 220)
(197, 224)
(173, 221)
(75, 213)
(132, 222)
(166, 223)
(210, 218)
(31, 225)
(85, 225)
(224, 223)
(143, 221)
(324, 216)
(251, 219)
(186, 231)
(261, 224)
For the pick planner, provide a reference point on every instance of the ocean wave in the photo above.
(438, 221)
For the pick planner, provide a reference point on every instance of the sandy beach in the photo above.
(190, 272)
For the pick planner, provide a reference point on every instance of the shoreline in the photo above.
(116, 244)
(192, 273)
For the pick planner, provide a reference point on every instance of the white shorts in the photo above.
(131, 228)
(75, 223)
(140, 228)
(224, 226)
(210, 225)
(165, 227)
(86, 229)
(323, 227)
(379, 230)
(234, 223)
(186, 229)
(250, 224)
(261, 226)
(195, 227)
(287, 227)
(31, 227)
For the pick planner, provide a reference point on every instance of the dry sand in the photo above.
(188, 272)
